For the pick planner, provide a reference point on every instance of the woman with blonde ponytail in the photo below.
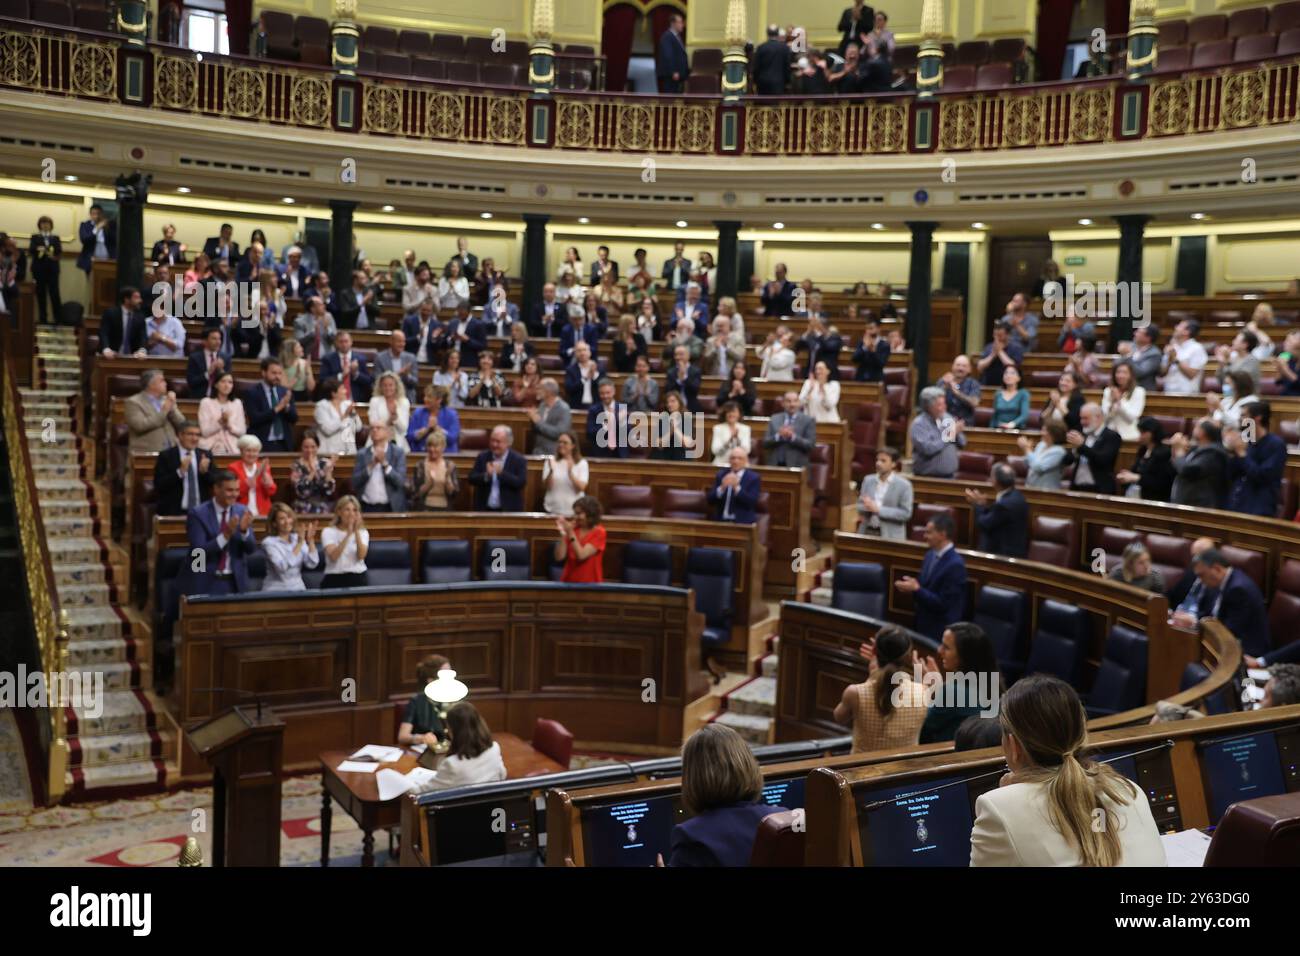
(1057, 807)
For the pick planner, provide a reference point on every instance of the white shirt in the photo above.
(561, 494)
(1123, 415)
(422, 354)
(487, 767)
(186, 503)
(338, 432)
(283, 566)
(723, 441)
(826, 406)
(376, 490)
(1191, 353)
(347, 562)
(778, 364)
(379, 416)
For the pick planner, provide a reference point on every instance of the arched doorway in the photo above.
(629, 38)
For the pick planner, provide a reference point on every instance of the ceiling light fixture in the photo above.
(390, 209)
(1085, 222)
(183, 189)
(1199, 215)
(681, 223)
(584, 220)
(289, 200)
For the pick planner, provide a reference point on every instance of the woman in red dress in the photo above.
(582, 543)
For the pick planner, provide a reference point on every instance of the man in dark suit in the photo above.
(677, 270)
(123, 328)
(271, 411)
(1095, 448)
(1256, 465)
(221, 529)
(606, 424)
(602, 266)
(98, 236)
(499, 474)
(772, 64)
(548, 317)
(167, 250)
(379, 475)
(293, 277)
(182, 474)
(468, 261)
(464, 334)
(422, 330)
(872, 355)
(578, 330)
(939, 594)
(1200, 467)
(223, 247)
(778, 295)
(45, 251)
(1232, 597)
(204, 364)
(359, 306)
(736, 489)
(684, 378)
(823, 344)
(672, 65)
(1185, 594)
(791, 435)
(349, 367)
(1003, 524)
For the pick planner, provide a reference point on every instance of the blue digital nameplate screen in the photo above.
(927, 828)
(1241, 768)
(784, 793)
(629, 834)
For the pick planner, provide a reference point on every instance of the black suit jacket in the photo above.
(511, 481)
(1004, 525)
(1241, 610)
(772, 67)
(170, 486)
(672, 58)
(261, 414)
(825, 348)
(110, 331)
(212, 245)
(537, 326)
(248, 342)
(168, 251)
(871, 362)
(1101, 459)
(780, 304)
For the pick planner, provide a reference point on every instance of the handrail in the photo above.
(49, 620)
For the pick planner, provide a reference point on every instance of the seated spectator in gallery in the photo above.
(434, 415)
(421, 723)
(1065, 402)
(872, 354)
(1095, 448)
(151, 415)
(435, 480)
(221, 417)
(1230, 595)
(474, 756)
(582, 543)
(551, 418)
(736, 490)
(885, 503)
(673, 438)
(738, 387)
(936, 437)
(820, 395)
(182, 474)
(1151, 476)
(997, 355)
(965, 651)
(1010, 402)
(684, 378)
(886, 710)
(1046, 460)
(220, 528)
(312, 477)
(1255, 467)
(565, 476)
(346, 542)
(777, 356)
(1200, 467)
(939, 592)
(640, 391)
(379, 475)
(729, 433)
(256, 486)
(1135, 569)
(580, 378)
(499, 474)
(287, 551)
(1003, 523)
(961, 390)
(722, 789)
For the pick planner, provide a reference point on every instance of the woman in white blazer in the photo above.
(1057, 807)
(777, 357)
(1123, 401)
(474, 756)
(337, 422)
(730, 433)
(820, 395)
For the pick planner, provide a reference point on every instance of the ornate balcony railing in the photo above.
(1112, 109)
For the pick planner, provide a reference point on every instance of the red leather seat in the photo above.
(685, 503)
(1007, 50)
(1285, 16)
(780, 840)
(633, 501)
(921, 515)
(1208, 28)
(379, 39)
(1245, 23)
(1046, 380)
(1260, 832)
(553, 739)
(1214, 53)
(1113, 541)
(1284, 608)
(993, 76)
(971, 53)
(473, 439)
(1170, 34)
(959, 78)
(415, 43)
(1054, 541)
(1256, 47)
(1169, 555)
(1252, 562)
(982, 417)
(1173, 59)
(974, 466)
(1288, 42)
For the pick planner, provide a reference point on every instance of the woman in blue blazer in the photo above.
(721, 787)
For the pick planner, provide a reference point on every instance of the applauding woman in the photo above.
(729, 433)
(221, 417)
(436, 481)
(564, 476)
(886, 710)
(629, 345)
(337, 422)
(526, 392)
(487, 389)
(346, 542)
(432, 416)
(582, 543)
(256, 486)
(1123, 401)
(739, 388)
(640, 391)
(820, 395)
(287, 552)
(312, 477)
(777, 356)
(391, 407)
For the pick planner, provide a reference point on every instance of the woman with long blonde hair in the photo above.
(1057, 806)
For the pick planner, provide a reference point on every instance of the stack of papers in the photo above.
(1187, 848)
(393, 784)
(369, 757)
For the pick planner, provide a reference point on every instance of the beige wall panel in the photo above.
(620, 250)
(382, 244)
(576, 21)
(194, 227)
(706, 25)
(1243, 262)
(18, 215)
(1103, 261)
(839, 265)
(1001, 18)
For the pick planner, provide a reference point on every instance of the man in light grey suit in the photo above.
(551, 419)
(152, 416)
(315, 329)
(379, 476)
(885, 505)
(936, 437)
(791, 435)
(401, 363)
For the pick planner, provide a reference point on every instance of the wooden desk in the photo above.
(358, 793)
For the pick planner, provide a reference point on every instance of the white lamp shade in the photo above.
(445, 689)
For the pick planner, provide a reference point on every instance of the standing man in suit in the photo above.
(400, 362)
(547, 319)
(778, 295)
(421, 332)
(348, 367)
(603, 264)
(464, 334)
(271, 411)
(1004, 524)
(939, 594)
(823, 344)
(499, 474)
(605, 420)
(872, 354)
(1256, 467)
(167, 250)
(1232, 597)
(936, 436)
(98, 236)
(1095, 450)
(885, 505)
(315, 329)
(123, 329)
(293, 277)
(151, 415)
(221, 529)
(791, 435)
(672, 65)
(736, 489)
(223, 247)
(677, 270)
(1146, 356)
(551, 419)
(578, 330)
(772, 63)
(1200, 470)
(684, 378)
(45, 250)
(182, 474)
(205, 364)
(692, 306)
(379, 475)
(468, 261)
(359, 306)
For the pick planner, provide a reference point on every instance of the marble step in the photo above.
(757, 698)
(71, 573)
(141, 773)
(62, 437)
(110, 749)
(71, 527)
(49, 394)
(74, 551)
(94, 623)
(57, 356)
(121, 712)
(85, 595)
(64, 489)
(86, 655)
(118, 675)
(64, 509)
(755, 730)
(770, 665)
(42, 406)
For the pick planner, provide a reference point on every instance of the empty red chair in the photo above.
(974, 466)
(311, 31)
(479, 49)
(449, 46)
(1053, 541)
(1256, 47)
(1171, 34)
(415, 43)
(394, 64)
(56, 12)
(1172, 60)
(993, 76)
(1288, 43)
(20, 10)
(462, 72)
(703, 83)
(1245, 23)
(1214, 53)
(1260, 832)
(631, 501)
(683, 503)
(1286, 16)
(550, 737)
(497, 74)
(1208, 28)
(315, 55)
(921, 515)
(959, 79)
(379, 39)
(971, 53)
(427, 68)
(706, 61)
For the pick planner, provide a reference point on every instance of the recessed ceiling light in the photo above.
(778, 225)
(584, 220)
(1085, 222)
(877, 225)
(389, 208)
(71, 179)
(978, 225)
(681, 223)
(485, 215)
(288, 199)
(1198, 215)
(182, 189)
(198, 57)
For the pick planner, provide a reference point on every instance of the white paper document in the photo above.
(393, 784)
(358, 766)
(1187, 848)
(1259, 675)
(379, 752)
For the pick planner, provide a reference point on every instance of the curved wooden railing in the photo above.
(38, 575)
(95, 66)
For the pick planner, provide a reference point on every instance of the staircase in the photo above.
(750, 709)
(123, 747)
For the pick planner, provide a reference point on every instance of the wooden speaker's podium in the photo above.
(245, 748)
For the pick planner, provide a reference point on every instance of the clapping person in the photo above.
(885, 504)
(565, 476)
(45, 252)
(287, 552)
(379, 474)
(516, 352)
(221, 529)
(629, 345)
(221, 417)
(436, 480)
(312, 477)
(346, 542)
(1046, 460)
(1095, 449)
(526, 390)
(421, 724)
(256, 486)
(182, 474)
(647, 318)
(885, 711)
(1065, 402)
(1152, 473)
(724, 350)
(454, 379)
(739, 388)
(337, 422)
(640, 391)
(1238, 394)
(1010, 403)
(298, 375)
(684, 378)
(872, 354)
(1123, 401)
(391, 407)
(582, 543)
(580, 378)
(736, 490)
(961, 390)
(729, 433)
(777, 357)
(672, 439)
